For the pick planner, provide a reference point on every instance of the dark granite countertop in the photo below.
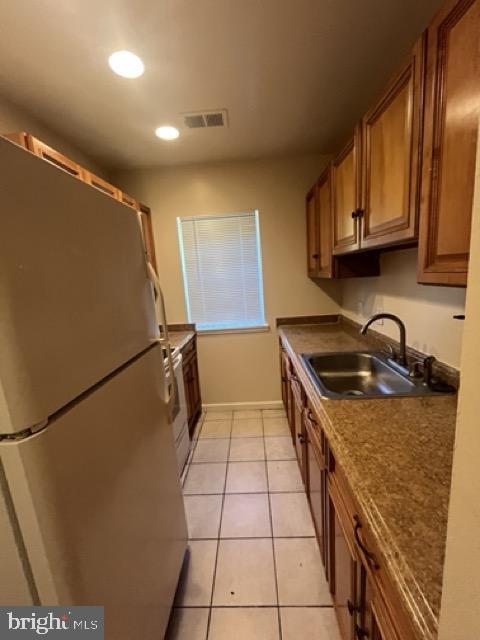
(178, 339)
(397, 456)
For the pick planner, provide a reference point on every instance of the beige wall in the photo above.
(427, 311)
(13, 118)
(461, 580)
(239, 367)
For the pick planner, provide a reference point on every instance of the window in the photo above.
(222, 270)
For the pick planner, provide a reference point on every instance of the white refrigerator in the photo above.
(91, 510)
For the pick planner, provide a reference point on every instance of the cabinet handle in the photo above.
(315, 255)
(351, 607)
(358, 213)
(301, 437)
(312, 419)
(360, 633)
(368, 554)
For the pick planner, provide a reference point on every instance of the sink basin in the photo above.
(361, 375)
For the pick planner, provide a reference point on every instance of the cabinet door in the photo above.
(47, 153)
(375, 623)
(317, 489)
(299, 434)
(391, 149)
(187, 378)
(324, 225)
(346, 201)
(311, 205)
(195, 386)
(452, 110)
(343, 573)
(283, 379)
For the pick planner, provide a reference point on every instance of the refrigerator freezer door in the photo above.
(99, 504)
(75, 299)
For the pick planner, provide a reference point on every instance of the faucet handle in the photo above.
(415, 369)
(427, 369)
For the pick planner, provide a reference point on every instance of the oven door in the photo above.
(179, 410)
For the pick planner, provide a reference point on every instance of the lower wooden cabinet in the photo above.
(344, 569)
(376, 623)
(366, 601)
(299, 439)
(191, 380)
(316, 484)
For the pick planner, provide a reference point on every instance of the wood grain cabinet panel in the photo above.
(452, 110)
(324, 225)
(391, 158)
(346, 200)
(319, 228)
(344, 568)
(191, 381)
(299, 436)
(313, 255)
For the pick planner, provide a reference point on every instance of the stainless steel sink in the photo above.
(361, 374)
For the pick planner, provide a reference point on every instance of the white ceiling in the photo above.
(293, 74)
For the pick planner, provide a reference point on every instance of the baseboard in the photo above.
(236, 406)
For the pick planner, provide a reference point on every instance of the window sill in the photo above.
(263, 328)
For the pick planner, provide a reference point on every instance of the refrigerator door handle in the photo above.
(164, 339)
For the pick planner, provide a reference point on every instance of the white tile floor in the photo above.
(253, 569)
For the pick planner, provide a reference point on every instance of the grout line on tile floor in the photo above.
(256, 606)
(279, 618)
(218, 540)
(253, 460)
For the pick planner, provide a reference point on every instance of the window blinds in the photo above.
(222, 272)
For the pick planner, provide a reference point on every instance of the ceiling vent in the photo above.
(205, 119)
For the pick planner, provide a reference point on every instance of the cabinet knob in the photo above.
(358, 213)
(315, 255)
(301, 437)
(360, 633)
(351, 607)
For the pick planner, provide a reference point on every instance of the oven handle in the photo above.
(169, 394)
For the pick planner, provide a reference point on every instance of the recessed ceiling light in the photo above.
(167, 133)
(126, 64)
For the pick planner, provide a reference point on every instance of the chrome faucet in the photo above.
(402, 356)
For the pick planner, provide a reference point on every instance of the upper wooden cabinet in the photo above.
(346, 196)
(391, 148)
(452, 110)
(319, 228)
(311, 206)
